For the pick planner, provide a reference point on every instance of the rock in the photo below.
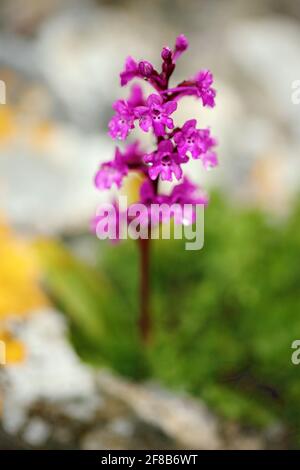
(81, 66)
(187, 421)
(51, 190)
(54, 401)
(36, 432)
(51, 381)
(127, 432)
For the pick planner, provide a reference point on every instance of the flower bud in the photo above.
(145, 68)
(181, 43)
(166, 54)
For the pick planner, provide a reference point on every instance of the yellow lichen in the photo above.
(14, 351)
(7, 122)
(19, 289)
(19, 273)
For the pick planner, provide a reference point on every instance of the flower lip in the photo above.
(166, 160)
(197, 142)
(156, 113)
(122, 122)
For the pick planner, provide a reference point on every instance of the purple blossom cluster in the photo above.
(175, 146)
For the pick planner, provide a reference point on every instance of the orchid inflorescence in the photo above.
(175, 146)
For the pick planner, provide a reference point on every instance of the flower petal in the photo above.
(145, 123)
(170, 107)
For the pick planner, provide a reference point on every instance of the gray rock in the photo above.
(187, 421)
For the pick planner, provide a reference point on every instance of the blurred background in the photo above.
(218, 373)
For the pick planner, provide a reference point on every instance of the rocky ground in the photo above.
(54, 401)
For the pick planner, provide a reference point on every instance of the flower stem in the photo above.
(145, 319)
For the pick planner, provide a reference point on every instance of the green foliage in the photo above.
(224, 317)
(97, 311)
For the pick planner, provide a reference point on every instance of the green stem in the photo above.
(145, 318)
